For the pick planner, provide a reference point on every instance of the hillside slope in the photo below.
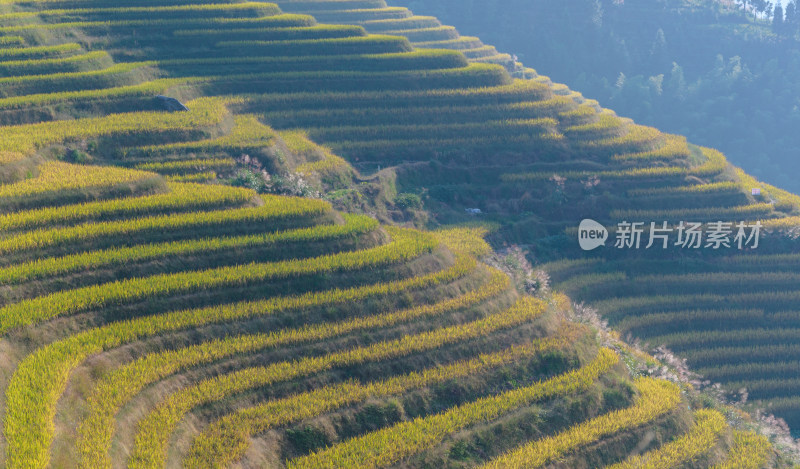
(594, 164)
(154, 315)
(699, 68)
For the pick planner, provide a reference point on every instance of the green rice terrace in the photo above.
(284, 274)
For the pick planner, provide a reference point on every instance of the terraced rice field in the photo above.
(148, 321)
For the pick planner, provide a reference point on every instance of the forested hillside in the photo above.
(203, 263)
(696, 68)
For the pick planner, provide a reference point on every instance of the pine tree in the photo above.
(778, 20)
(791, 21)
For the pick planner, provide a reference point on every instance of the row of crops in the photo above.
(149, 320)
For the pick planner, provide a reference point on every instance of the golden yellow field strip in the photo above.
(57, 176)
(406, 245)
(227, 439)
(469, 239)
(693, 189)
(41, 377)
(322, 158)
(637, 135)
(57, 77)
(714, 164)
(20, 272)
(674, 146)
(148, 88)
(274, 208)
(196, 177)
(156, 23)
(709, 425)
(120, 385)
(155, 10)
(604, 123)
(20, 66)
(27, 138)
(247, 132)
(154, 431)
(661, 171)
(389, 446)
(12, 40)
(182, 196)
(187, 164)
(7, 157)
(39, 51)
(749, 451)
(656, 398)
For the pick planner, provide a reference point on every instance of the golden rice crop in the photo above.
(407, 245)
(581, 112)
(7, 157)
(637, 136)
(20, 272)
(715, 163)
(745, 211)
(191, 8)
(182, 196)
(322, 158)
(696, 188)
(247, 132)
(142, 89)
(42, 376)
(674, 146)
(11, 40)
(390, 445)
(469, 239)
(336, 29)
(284, 19)
(605, 122)
(372, 39)
(27, 138)
(196, 177)
(155, 430)
(40, 51)
(120, 385)
(274, 208)
(58, 176)
(517, 90)
(749, 451)
(709, 425)
(656, 397)
(179, 165)
(18, 67)
(59, 76)
(227, 439)
(613, 174)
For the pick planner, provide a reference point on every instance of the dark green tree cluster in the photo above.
(718, 75)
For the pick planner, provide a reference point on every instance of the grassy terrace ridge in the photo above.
(392, 444)
(656, 398)
(25, 139)
(85, 299)
(59, 265)
(146, 9)
(181, 196)
(274, 209)
(109, 395)
(709, 425)
(121, 25)
(154, 431)
(225, 441)
(38, 51)
(66, 355)
(272, 312)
